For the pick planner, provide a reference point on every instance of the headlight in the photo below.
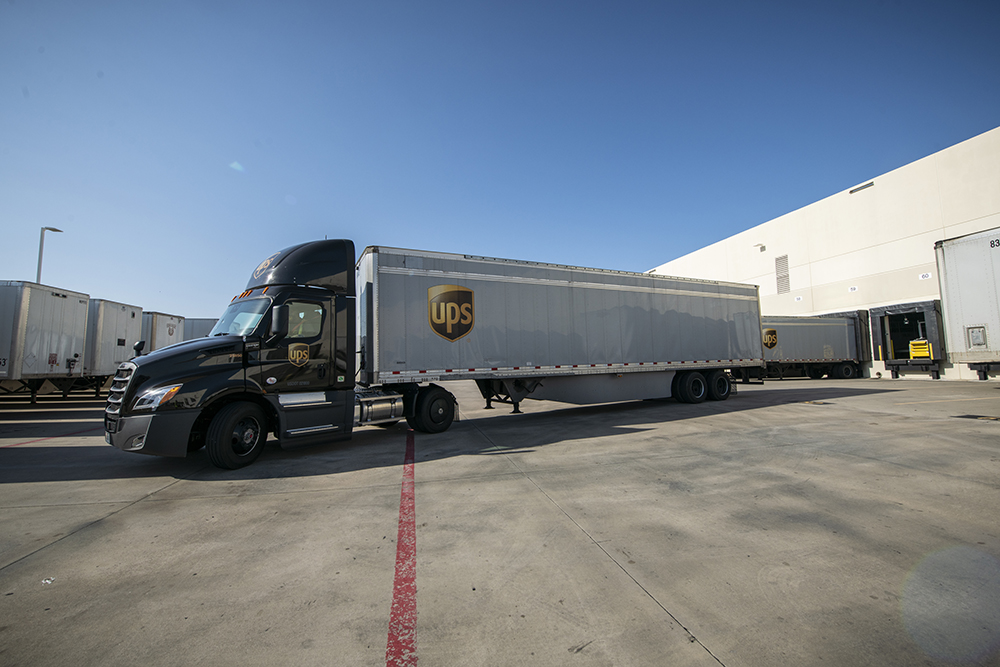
(154, 398)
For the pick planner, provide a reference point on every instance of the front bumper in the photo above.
(156, 433)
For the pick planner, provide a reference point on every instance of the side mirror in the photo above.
(138, 347)
(279, 323)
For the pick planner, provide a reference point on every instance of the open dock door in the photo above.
(907, 337)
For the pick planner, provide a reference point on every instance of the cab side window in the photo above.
(305, 320)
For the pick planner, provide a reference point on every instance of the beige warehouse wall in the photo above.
(872, 247)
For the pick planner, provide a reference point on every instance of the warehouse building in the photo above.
(869, 248)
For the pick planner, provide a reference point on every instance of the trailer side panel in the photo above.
(441, 316)
(809, 339)
(112, 330)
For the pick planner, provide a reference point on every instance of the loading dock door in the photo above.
(895, 327)
(899, 330)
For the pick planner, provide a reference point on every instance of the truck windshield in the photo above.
(241, 317)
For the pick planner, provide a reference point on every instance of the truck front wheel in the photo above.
(236, 436)
(434, 410)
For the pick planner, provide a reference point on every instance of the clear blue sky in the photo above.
(177, 144)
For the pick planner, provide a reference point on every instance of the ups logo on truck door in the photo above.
(451, 311)
(770, 338)
(298, 354)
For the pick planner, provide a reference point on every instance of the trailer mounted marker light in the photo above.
(154, 398)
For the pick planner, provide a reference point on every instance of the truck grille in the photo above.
(116, 396)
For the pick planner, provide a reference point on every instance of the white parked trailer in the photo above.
(969, 276)
(113, 329)
(43, 333)
(160, 330)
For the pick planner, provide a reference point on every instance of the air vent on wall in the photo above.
(781, 273)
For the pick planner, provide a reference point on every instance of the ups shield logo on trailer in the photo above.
(451, 311)
(298, 354)
(770, 338)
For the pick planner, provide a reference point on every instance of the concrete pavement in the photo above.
(800, 522)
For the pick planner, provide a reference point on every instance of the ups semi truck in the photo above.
(815, 347)
(317, 345)
(969, 276)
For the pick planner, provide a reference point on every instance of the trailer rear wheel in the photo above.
(718, 385)
(692, 388)
(434, 411)
(845, 371)
(236, 436)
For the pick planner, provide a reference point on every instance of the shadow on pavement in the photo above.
(372, 448)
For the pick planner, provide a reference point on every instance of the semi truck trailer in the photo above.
(161, 330)
(318, 344)
(969, 277)
(113, 329)
(43, 333)
(814, 346)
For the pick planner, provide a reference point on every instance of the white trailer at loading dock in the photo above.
(969, 276)
(532, 330)
(43, 332)
(832, 345)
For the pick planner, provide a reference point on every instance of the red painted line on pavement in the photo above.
(401, 648)
(53, 437)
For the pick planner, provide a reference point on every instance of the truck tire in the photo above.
(236, 436)
(434, 411)
(718, 385)
(692, 388)
(815, 372)
(845, 371)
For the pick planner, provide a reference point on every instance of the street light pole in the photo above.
(41, 247)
